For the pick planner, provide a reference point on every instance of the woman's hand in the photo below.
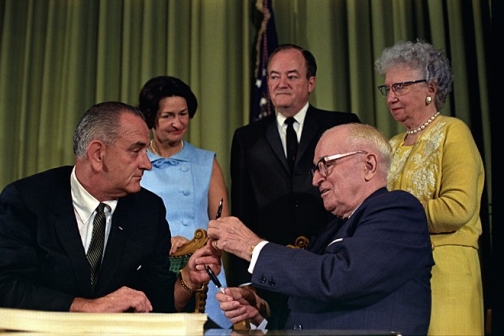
(177, 242)
(195, 268)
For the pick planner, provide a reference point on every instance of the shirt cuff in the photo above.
(261, 326)
(255, 255)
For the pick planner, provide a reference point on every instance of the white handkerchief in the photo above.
(335, 241)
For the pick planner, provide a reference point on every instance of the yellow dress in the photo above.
(444, 170)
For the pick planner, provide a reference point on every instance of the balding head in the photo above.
(353, 160)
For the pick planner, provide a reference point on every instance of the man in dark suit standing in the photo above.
(272, 196)
(88, 238)
(368, 270)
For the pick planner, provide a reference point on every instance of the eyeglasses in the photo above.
(398, 88)
(324, 163)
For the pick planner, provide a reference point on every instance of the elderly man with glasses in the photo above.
(369, 269)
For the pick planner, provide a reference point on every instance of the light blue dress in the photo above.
(183, 181)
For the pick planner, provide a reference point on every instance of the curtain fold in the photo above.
(59, 57)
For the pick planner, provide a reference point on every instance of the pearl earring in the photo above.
(428, 100)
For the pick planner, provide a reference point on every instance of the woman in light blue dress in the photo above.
(188, 179)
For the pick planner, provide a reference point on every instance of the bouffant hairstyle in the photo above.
(157, 88)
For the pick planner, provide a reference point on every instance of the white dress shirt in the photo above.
(298, 126)
(85, 211)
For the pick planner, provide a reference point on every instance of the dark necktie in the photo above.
(292, 142)
(95, 250)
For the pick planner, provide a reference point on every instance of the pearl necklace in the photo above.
(155, 151)
(421, 128)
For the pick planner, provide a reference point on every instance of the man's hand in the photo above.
(242, 303)
(123, 299)
(231, 235)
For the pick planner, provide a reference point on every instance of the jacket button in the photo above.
(272, 282)
(262, 279)
(298, 327)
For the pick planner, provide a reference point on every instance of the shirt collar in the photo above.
(84, 203)
(300, 116)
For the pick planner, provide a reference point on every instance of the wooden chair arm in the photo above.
(199, 240)
(180, 258)
(301, 243)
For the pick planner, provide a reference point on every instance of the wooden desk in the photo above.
(36, 323)
(307, 332)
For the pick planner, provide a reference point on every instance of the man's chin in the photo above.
(282, 101)
(133, 188)
(329, 207)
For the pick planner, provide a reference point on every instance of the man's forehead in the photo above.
(285, 57)
(333, 136)
(324, 148)
(132, 125)
(330, 142)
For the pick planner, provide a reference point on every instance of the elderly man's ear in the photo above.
(95, 153)
(370, 166)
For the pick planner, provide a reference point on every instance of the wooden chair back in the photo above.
(180, 258)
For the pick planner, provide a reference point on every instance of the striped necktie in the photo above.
(95, 250)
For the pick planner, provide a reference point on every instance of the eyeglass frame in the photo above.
(326, 159)
(384, 90)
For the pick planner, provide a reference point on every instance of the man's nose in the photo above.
(145, 163)
(282, 81)
(317, 178)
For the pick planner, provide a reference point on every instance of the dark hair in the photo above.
(157, 88)
(101, 121)
(311, 64)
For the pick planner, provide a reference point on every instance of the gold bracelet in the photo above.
(187, 288)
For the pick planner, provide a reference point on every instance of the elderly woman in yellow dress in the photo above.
(436, 159)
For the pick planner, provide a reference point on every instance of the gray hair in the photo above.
(367, 137)
(100, 122)
(422, 56)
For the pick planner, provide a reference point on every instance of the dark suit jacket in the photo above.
(43, 265)
(369, 272)
(265, 196)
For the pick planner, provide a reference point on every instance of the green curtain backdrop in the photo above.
(58, 57)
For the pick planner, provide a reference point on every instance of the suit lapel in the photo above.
(115, 244)
(68, 233)
(321, 240)
(275, 142)
(310, 129)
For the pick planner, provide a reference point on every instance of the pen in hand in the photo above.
(214, 279)
(219, 209)
(211, 274)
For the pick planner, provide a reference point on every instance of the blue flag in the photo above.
(267, 41)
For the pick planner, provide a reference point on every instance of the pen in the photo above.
(219, 209)
(207, 268)
(214, 279)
